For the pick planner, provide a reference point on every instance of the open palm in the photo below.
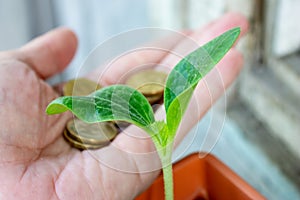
(35, 160)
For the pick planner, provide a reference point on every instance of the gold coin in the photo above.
(148, 82)
(80, 87)
(96, 133)
(155, 98)
(78, 144)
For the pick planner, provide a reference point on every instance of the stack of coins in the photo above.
(149, 82)
(83, 135)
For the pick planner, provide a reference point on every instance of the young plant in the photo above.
(122, 103)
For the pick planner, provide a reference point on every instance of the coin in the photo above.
(149, 82)
(80, 87)
(121, 125)
(79, 145)
(155, 98)
(94, 134)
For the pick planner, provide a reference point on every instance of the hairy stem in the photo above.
(166, 161)
(168, 181)
(163, 142)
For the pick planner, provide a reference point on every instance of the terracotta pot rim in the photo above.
(198, 176)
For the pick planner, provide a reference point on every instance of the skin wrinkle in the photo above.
(61, 173)
(15, 189)
(35, 153)
(93, 164)
(51, 143)
(101, 176)
(23, 173)
(47, 152)
(53, 125)
(27, 74)
(30, 174)
(57, 178)
(54, 194)
(40, 107)
(85, 168)
(139, 178)
(54, 180)
(86, 180)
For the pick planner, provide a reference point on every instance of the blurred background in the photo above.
(261, 136)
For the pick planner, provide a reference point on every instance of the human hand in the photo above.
(36, 162)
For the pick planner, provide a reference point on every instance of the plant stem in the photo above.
(168, 181)
(165, 155)
(166, 161)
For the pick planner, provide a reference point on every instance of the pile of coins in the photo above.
(83, 135)
(150, 83)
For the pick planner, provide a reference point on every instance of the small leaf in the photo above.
(117, 102)
(189, 71)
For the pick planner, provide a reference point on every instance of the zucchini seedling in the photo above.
(122, 103)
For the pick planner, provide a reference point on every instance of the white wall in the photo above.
(14, 23)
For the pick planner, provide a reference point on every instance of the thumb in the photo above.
(50, 53)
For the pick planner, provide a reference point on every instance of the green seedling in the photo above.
(122, 103)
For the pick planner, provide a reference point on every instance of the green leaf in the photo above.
(189, 71)
(117, 102)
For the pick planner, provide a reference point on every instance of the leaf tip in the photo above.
(55, 108)
(236, 31)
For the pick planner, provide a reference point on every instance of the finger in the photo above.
(145, 55)
(117, 71)
(226, 22)
(203, 35)
(49, 54)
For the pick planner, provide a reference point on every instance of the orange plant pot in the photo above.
(202, 178)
